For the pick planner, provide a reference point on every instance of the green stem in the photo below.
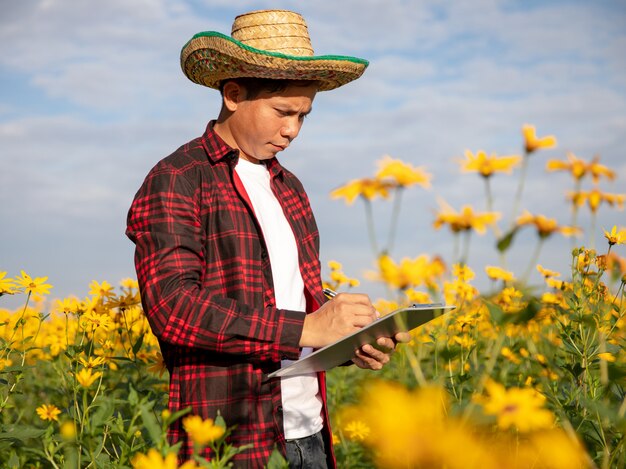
(397, 202)
(533, 260)
(466, 244)
(369, 216)
(520, 189)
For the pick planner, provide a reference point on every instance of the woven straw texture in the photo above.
(265, 44)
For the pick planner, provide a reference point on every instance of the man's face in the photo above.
(265, 125)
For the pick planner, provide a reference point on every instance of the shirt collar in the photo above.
(217, 149)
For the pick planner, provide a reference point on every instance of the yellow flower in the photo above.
(357, 430)
(595, 198)
(101, 290)
(463, 272)
(158, 366)
(607, 357)
(334, 265)
(33, 286)
(415, 296)
(96, 320)
(464, 220)
(68, 430)
(546, 272)
(201, 431)
(578, 167)
(366, 188)
(522, 408)
(86, 378)
(488, 165)
(596, 169)
(129, 283)
(532, 142)
(154, 460)
(410, 272)
(507, 353)
(336, 439)
(67, 305)
(615, 237)
(402, 173)
(92, 362)
(7, 286)
(48, 412)
(545, 226)
(498, 273)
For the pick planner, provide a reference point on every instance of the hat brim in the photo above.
(210, 57)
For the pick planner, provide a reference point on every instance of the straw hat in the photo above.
(265, 44)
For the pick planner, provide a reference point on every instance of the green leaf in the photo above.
(22, 433)
(138, 344)
(277, 461)
(151, 423)
(504, 243)
(133, 397)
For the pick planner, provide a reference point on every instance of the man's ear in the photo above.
(233, 93)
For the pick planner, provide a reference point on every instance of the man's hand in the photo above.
(344, 314)
(374, 358)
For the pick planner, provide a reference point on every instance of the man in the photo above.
(227, 249)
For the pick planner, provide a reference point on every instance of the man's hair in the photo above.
(255, 86)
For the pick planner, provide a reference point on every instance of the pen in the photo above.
(329, 293)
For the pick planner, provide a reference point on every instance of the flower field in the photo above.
(517, 376)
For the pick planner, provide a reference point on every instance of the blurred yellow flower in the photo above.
(86, 378)
(464, 220)
(545, 226)
(92, 362)
(48, 412)
(552, 449)
(498, 273)
(158, 365)
(615, 236)
(521, 408)
(367, 188)
(532, 142)
(334, 265)
(7, 286)
(607, 357)
(154, 460)
(595, 198)
(415, 296)
(546, 272)
(357, 430)
(33, 286)
(410, 272)
(488, 165)
(401, 173)
(101, 290)
(463, 272)
(129, 283)
(507, 353)
(68, 430)
(577, 166)
(201, 431)
(596, 169)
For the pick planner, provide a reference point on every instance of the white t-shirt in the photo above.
(302, 404)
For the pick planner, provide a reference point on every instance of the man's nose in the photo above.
(291, 128)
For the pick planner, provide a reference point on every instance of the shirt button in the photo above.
(279, 408)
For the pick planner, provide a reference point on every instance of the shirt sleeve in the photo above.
(164, 223)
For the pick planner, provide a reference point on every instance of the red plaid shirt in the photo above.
(206, 287)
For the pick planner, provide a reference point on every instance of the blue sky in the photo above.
(92, 96)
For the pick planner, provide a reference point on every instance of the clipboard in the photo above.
(341, 351)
